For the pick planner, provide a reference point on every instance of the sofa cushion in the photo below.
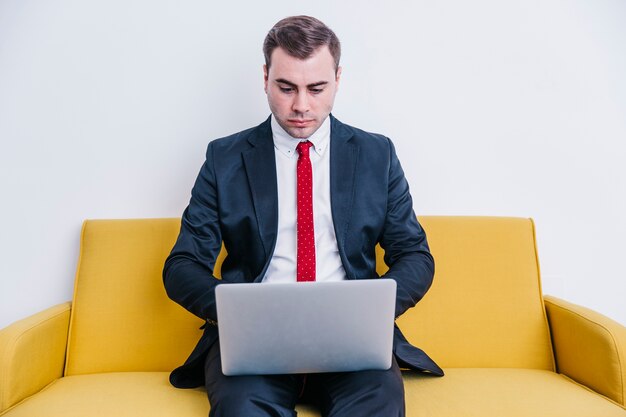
(484, 392)
(122, 319)
(462, 393)
(122, 394)
(484, 309)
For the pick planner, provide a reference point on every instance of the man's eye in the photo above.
(286, 89)
(316, 90)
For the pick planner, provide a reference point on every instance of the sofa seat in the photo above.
(120, 394)
(462, 393)
(502, 392)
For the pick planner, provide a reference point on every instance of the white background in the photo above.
(514, 108)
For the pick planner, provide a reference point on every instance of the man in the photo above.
(302, 196)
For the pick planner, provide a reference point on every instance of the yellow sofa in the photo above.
(507, 350)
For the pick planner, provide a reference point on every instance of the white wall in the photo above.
(497, 108)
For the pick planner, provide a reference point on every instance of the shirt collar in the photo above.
(287, 144)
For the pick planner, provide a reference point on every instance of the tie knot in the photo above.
(303, 148)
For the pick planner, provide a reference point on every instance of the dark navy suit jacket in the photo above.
(235, 202)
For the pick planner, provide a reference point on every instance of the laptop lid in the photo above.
(306, 327)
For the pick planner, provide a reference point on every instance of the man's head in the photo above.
(301, 73)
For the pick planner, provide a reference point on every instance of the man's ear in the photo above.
(338, 76)
(265, 77)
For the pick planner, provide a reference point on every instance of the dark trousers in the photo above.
(344, 394)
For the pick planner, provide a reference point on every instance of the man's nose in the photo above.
(301, 102)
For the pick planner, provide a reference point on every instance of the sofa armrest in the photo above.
(589, 348)
(32, 353)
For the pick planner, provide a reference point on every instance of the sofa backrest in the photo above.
(122, 319)
(484, 309)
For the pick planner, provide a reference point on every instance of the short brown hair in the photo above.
(300, 37)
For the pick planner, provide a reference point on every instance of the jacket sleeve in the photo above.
(406, 249)
(188, 271)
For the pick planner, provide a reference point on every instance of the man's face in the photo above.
(301, 92)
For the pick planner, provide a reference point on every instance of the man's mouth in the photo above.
(300, 122)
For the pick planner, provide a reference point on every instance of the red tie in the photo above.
(305, 233)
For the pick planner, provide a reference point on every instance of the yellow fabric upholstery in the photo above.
(485, 307)
(590, 348)
(114, 330)
(465, 392)
(461, 393)
(32, 353)
(483, 321)
(125, 394)
(122, 318)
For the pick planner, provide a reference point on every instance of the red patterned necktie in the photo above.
(305, 232)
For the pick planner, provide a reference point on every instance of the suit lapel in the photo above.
(343, 160)
(260, 165)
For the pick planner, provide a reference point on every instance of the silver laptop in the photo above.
(306, 327)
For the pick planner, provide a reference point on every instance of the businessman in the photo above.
(300, 197)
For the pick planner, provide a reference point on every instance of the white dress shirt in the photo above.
(282, 267)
